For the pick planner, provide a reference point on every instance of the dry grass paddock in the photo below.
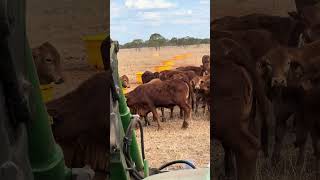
(171, 143)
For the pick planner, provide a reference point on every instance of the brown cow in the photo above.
(186, 76)
(201, 91)
(286, 68)
(125, 81)
(47, 61)
(309, 15)
(80, 124)
(286, 30)
(147, 97)
(148, 76)
(198, 70)
(237, 85)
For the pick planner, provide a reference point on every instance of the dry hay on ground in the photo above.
(286, 168)
(174, 143)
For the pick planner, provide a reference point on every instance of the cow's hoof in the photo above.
(160, 128)
(185, 125)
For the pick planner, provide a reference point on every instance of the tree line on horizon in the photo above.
(156, 40)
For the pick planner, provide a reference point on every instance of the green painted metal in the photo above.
(146, 168)
(126, 115)
(46, 156)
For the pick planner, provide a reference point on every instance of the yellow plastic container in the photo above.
(47, 92)
(92, 44)
(124, 90)
(162, 68)
(139, 77)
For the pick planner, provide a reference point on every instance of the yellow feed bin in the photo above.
(92, 44)
(47, 92)
(139, 77)
(124, 90)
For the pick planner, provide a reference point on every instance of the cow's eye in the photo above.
(48, 60)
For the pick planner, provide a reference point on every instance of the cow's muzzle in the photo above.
(278, 82)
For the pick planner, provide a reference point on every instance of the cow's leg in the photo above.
(228, 163)
(280, 133)
(204, 108)
(187, 112)
(302, 132)
(246, 164)
(163, 119)
(315, 135)
(197, 105)
(155, 116)
(171, 112)
(146, 120)
(181, 113)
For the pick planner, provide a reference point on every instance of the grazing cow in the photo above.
(47, 61)
(237, 85)
(309, 16)
(148, 76)
(285, 29)
(147, 97)
(80, 124)
(198, 70)
(125, 81)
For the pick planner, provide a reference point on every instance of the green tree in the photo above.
(138, 44)
(156, 40)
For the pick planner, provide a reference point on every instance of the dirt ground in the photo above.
(171, 143)
(286, 169)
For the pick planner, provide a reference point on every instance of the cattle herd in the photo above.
(259, 60)
(185, 87)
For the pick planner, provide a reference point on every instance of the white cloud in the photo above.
(153, 16)
(182, 12)
(207, 2)
(148, 4)
(115, 9)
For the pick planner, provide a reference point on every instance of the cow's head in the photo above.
(47, 61)
(125, 81)
(310, 18)
(274, 67)
(205, 84)
(310, 77)
(156, 74)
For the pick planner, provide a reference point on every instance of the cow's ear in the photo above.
(35, 53)
(295, 15)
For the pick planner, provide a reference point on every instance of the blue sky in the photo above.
(138, 19)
